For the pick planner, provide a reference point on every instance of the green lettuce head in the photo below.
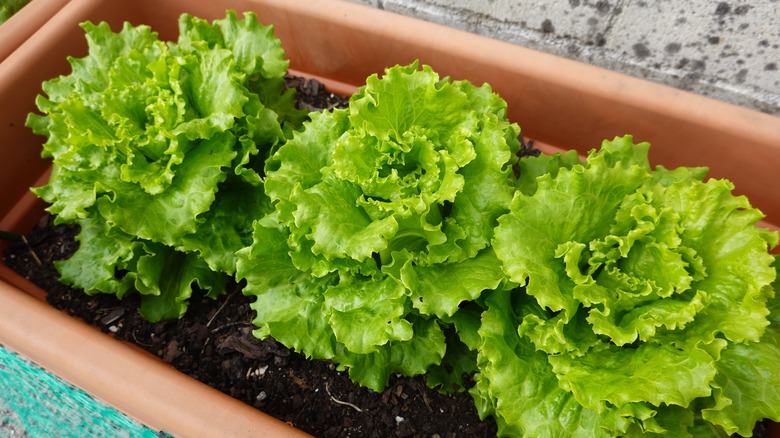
(384, 215)
(647, 295)
(163, 144)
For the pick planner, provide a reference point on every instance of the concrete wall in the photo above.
(729, 50)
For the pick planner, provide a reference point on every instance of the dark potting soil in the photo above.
(213, 343)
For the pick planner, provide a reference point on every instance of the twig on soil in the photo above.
(335, 400)
(227, 300)
(425, 398)
(231, 325)
(32, 251)
(221, 328)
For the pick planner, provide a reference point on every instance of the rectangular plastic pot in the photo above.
(559, 103)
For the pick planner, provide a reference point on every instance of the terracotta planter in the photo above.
(558, 103)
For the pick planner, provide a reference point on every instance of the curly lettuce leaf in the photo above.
(227, 226)
(465, 282)
(747, 386)
(359, 184)
(255, 49)
(111, 261)
(409, 358)
(517, 385)
(139, 124)
(288, 302)
(257, 53)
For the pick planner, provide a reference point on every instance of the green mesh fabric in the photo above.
(36, 403)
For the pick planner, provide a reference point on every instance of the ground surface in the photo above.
(728, 50)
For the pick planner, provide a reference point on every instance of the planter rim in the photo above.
(26, 22)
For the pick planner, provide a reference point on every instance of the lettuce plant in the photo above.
(384, 213)
(158, 150)
(645, 306)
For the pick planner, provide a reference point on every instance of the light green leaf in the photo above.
(227, 226)
(409, 358)
(747, 386)
(440, 289)
(103, 253)
(165, 280)
(653, 373)
(376, 306)
(168, 216)
(289, 302)
(577, 205)
(396, 196)
(517, 385)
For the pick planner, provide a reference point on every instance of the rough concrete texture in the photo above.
(727, 50)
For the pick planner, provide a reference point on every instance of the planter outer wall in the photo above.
(559, 103)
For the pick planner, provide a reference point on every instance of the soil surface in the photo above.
(213, 343)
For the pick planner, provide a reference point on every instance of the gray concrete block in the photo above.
(727, 50)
